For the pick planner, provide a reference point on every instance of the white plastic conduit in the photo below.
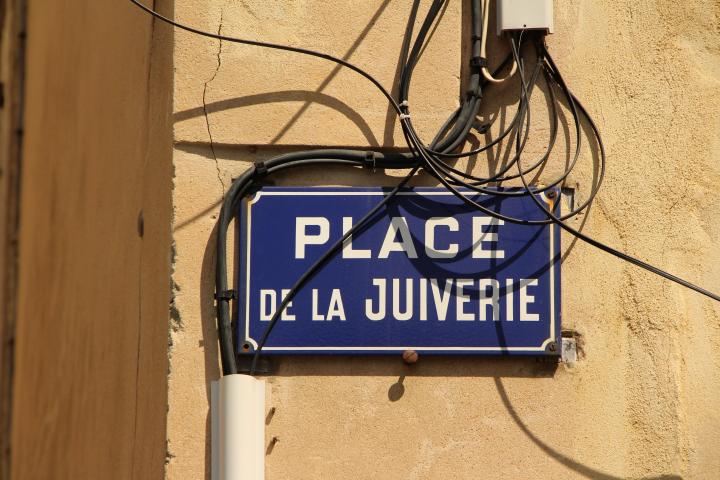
(238, 428)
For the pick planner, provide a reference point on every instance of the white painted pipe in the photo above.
(238, 428)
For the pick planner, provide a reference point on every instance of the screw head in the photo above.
(410, 357)
(551, 194)
(552, 347)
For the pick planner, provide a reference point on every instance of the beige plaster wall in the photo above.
(90, 384)
(643, 400)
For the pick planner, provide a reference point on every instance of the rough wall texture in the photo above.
(91, 365)
(643, 400)
(317, 102)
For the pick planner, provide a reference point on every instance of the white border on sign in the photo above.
(256, 198)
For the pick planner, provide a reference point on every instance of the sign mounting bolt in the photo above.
(410, 357)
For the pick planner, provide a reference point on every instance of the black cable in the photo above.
(274, 46)
(592, 241)
(320, 262)
(451, 137)
(227, 212)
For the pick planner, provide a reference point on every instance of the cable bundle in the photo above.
(529, 60)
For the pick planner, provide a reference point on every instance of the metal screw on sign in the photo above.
(410, 357)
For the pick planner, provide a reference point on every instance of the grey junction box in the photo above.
(525, 14)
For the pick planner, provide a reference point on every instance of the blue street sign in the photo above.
(429, 274)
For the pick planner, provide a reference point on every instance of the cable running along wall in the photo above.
(528, 65)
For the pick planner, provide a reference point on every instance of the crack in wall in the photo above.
(205, 111)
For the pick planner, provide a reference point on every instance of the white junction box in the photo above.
(525, 15)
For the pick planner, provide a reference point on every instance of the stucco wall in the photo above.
(90, 381)
(643, 400)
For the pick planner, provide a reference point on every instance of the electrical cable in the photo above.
(433, 159)
(320, 262)
(585, 238)
(274, 46)
(238, 190)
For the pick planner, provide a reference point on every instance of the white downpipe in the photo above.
(238, 428)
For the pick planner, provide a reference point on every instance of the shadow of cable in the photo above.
(333, 73)
(307, 96)
(584, 470)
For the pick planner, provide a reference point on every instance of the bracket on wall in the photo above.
(265, 365)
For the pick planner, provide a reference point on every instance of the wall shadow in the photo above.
(307, 96)
(577, 467)
(209, 337)
(427, 366)
(496, 109)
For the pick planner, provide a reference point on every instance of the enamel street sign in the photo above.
(428, 274)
